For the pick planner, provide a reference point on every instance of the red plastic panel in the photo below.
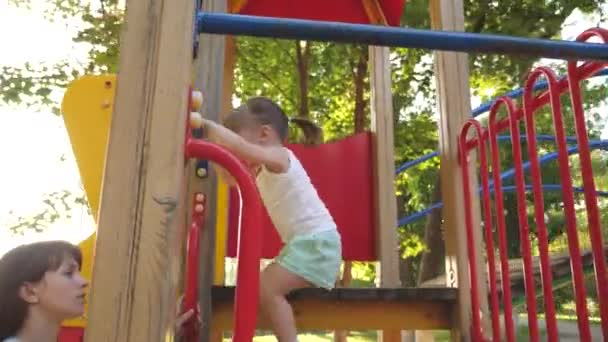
(71, 334)
(342, 174)
(349, 11)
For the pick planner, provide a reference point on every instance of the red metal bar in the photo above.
(586, 70)
(500, 218)
(537, 190)
(593, 217)
(524, 229)
(191, 331)
(486, 200)
(567, 195)
(464, 156)
(250, 237)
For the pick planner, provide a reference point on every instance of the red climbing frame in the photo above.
(576, 73)
(199, 202)
(250, 238)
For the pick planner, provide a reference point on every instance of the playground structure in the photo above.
(148, 198)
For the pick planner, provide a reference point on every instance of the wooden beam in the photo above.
(137, 254)
(321, 315)
(384, 172)
(454, 105)
(384, 169)
(209, 79)
(355, 309)
(222, 187)
(236, 6)
(374, 11)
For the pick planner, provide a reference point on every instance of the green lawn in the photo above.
(366, 336)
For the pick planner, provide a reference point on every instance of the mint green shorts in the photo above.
(315, 257)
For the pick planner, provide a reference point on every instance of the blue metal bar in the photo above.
(234, 24)
(593, 145)
(510, 188)
(501, 138)
(484, 108)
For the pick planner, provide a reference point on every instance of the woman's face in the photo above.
(61, 293)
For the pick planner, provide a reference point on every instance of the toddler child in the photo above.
(312, 252)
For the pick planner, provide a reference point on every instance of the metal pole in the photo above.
(232, 24)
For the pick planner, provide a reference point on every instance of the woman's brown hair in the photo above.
(27, 264)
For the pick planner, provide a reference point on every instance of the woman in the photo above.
(40, 287)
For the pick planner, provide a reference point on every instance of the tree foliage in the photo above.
(329, 83)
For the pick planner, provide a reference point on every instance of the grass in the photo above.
(369, 336)
(321, 336)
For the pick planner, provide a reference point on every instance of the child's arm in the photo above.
(275, 159)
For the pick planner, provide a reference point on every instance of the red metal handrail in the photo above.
(500, 219)
(191, 330)
(576, 73)
(250, 238)
(595, 232)
(585, 71)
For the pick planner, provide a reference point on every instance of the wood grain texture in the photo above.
(209, 79)
(384, 168)
(374, 12)
(355, 309)
(137, 253)
(453, 98)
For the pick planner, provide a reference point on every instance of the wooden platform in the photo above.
(355, 308)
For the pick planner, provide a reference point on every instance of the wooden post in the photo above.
(454, 104)
(209, 79)
(384, 172)
(137, 253)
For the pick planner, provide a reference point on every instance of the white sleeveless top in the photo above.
(292, 202)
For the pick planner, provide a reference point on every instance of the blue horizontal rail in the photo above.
(593, 145)
(501, 138)
(484, 108)
(234, 24)
(510, 188)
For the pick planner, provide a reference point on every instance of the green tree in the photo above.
(328, 83)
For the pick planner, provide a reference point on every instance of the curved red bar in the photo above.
(575, 76)
(191, 331)
(524, 228)
(250, 238)
(487, 224)
(468, 216)
(584, 71)
(537, 190)
(500, 219)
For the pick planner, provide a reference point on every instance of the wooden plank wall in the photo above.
(138, 250)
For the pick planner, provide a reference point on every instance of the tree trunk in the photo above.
(433, 259)
(359, 82)
(302, 58)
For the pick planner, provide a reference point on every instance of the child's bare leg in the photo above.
(275, 283)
